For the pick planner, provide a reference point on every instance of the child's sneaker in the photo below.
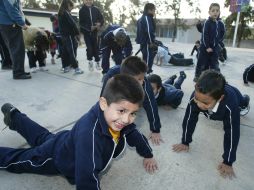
(90, 66)
(173, 77)
(78, 71)
(43, 68)
(98, 66)
(246, 107)
(33, 70)
(66, 69)
(183, 74)
(8, 110)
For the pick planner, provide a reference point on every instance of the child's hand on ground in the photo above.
(150, 165)
(226, 170)
(209, 50)
(180, 148)
(156, 138)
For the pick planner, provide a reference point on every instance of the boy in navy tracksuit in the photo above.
(210, 39)
(136, 68)
(248, 74)
(114, 39)
(146, 35)
(90, 21)
(169, 92)
(69, 32)
(81, 153)
(217, 100)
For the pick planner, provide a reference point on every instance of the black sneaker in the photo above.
(8, 110)
(23, 76)
(183, 74)
(245, 108)
(173, 77)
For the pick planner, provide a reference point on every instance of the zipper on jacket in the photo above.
(110, 156)
(91, 17)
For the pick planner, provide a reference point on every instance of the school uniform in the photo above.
(228, 111)
(5, 55)
(248, 74)
(79, 154)
(210, 38)
(145, 37)
(88, 17)
(170, 93)
(109, 44)
(149, 103)
(69, 31)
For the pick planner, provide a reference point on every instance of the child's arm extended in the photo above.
(231, 138)
(138, 140)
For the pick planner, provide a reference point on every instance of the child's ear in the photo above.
(103, 103)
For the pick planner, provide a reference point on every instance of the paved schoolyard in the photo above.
(57, 100)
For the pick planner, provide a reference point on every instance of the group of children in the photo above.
(82, 153)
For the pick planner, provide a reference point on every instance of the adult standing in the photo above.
(90, 21)
(12, 21)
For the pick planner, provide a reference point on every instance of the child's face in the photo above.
(214, 12)
(205, 101)
(155, 88)
(152, 12)
(88, 2)
(140, 78)
(119, 115)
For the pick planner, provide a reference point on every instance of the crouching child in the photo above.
(82, 153)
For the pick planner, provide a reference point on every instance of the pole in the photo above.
(236, 27)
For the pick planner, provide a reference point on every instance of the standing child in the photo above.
(196, 48)
(90, 21)
(146, 35)
(69, 32)
(82, 153)
(217, 100)
(169, 92)
(210, 39)
(137, 69)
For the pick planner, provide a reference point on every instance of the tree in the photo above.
(175, 6)
(243, 31)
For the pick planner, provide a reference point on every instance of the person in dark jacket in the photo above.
(217, 100)
(248, 74)
(210, 40)
(168, 92)
(137, 68)
(12, 21)
(196, 48)
(146, 35)
(115, 39)
(69, 32)
(90, 21)
(6, 63)
(82, 153)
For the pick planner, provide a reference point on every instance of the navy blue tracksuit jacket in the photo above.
(109, 44)
(248, 74)
(146, 36)
(149, 103)
(228, 112)
(79, 154)
(88, 17)
(212, 36)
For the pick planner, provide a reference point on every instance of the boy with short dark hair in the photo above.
(169, 92)
(137, 68)
(210, 39)
(146, 35)
(81, 153)
(217, 100)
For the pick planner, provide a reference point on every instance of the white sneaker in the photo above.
(90, 66)
(33, 70)
(78, 71)
(98, 66)
(43, 68)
